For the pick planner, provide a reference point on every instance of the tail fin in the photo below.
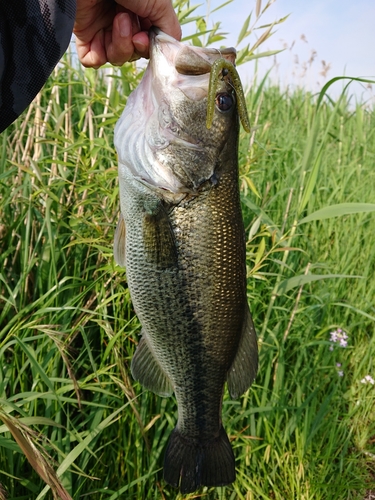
(190, 463)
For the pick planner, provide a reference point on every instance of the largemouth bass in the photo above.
(181, 239)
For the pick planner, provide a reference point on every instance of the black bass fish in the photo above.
(181, 239)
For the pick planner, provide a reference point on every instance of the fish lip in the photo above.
(156, 32)
(157, 37)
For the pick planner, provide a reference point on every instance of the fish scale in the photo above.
(181, 238)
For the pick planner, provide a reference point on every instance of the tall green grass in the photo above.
(74, 422)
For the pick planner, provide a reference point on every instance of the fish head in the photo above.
(162, 137)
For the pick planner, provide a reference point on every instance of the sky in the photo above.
(339, 32)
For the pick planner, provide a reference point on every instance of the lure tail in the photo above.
(190, 464)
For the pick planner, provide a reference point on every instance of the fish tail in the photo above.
(191, 463)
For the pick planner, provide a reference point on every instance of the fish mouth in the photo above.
(181, 68)
(188, 60)
(177, 62)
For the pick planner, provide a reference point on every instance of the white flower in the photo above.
(333, 336)
(340, 337)
(368, 380)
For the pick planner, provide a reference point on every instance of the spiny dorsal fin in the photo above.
(245, 365)
(146, 369)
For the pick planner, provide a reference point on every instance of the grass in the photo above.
(74, 422)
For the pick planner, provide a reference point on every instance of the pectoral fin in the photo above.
(158, 238)
(119, 243)
(245, 365)
(146, 369)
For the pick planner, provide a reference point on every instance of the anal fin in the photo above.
(245, 365)
(146, 369)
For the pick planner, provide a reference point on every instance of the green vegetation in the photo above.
(72, 416)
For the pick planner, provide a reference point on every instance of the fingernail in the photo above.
(124, 25)
(141, 43)
(140, 47)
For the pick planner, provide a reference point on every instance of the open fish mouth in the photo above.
(186, 60)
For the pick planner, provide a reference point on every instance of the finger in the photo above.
(141, 44)
(119, 46)
(91, 19)
(159, 12)
(92, 54)
(164, 17)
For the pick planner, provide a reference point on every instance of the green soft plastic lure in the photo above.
(221, 67)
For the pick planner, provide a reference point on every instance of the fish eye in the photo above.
(224, 102)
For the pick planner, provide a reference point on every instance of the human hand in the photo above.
(115, 31)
